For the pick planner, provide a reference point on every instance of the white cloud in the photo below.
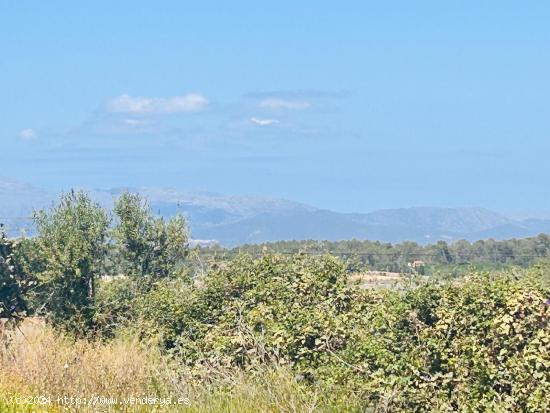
(136, 122)
(284, 104)
(191, 102)
(27, 134)
(263, 122)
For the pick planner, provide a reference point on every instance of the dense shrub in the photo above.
(481, 344)
(253, 311)
(15, 283)
(477, 344)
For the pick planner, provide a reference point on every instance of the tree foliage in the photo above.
(359, 255)
(71, 243)
(148, 247)
(14, 283)
(76, 247)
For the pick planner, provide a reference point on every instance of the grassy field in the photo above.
(38, 362)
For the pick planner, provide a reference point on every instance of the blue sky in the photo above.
(351, 106)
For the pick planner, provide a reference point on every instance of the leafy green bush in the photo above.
(483, 342)
(478, 344)
(252, 311)
(13, 282)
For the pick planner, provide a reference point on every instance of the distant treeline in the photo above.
(381, 256)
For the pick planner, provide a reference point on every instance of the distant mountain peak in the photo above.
(9, 184)
(241, 204)
(445, 219)
(238, 219)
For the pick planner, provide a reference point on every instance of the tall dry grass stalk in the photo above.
(38, 361)
(54, 364)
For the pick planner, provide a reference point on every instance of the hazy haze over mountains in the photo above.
(234, 220)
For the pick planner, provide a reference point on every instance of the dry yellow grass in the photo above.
(56, 364)
(38, 361)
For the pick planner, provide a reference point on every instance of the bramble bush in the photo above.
(477, 344)
(253, 311)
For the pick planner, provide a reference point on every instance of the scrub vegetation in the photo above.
(118, 306)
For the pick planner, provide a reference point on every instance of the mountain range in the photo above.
(235, 220)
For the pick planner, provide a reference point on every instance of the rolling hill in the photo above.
(234, 220)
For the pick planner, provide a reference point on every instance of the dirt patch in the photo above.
(374, 276)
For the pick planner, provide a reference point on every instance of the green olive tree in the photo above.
(148, 247)
(72, 243)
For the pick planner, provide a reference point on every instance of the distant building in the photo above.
(417, 264)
